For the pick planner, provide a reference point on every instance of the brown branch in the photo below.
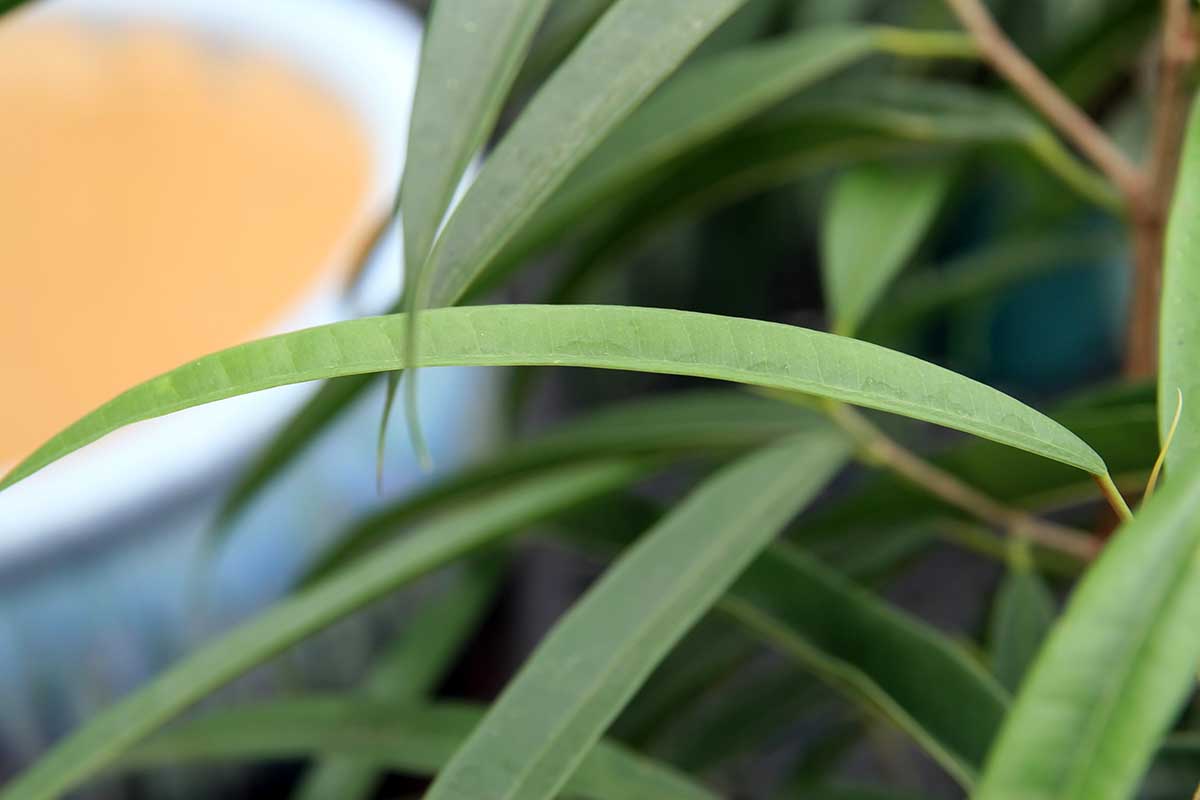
(1178, 54)
(1011, 63)
(882, 449)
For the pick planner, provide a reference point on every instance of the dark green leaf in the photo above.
(594, 659)
(1022, 615)
(402, 737)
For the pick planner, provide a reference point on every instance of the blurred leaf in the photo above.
(469, 58)
(984, 273)
(1022, 614)
(300, 431)
(1179, 337)
(471, 526)
(1098, 50)
(594, 659)
(1176, 770)
(741, 719)
(410, 669)
(564, 26)
(878, 657)
(687, 422)
(875, 219)
(705, 100)
(409, 738)
(1117, 665)
(614, 337)
(837, 791)
(626, 54)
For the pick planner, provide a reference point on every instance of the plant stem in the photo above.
(1010, 62)
(885, 451)
(1113, 495)
(1178, 54)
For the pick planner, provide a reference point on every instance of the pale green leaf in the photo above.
(614, 337)
(1117, 666)
(415, 739)
(471, 526)
(1179, 332)
(596, 657)
(409, 670)
(877, 215)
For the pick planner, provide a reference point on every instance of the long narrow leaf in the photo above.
(402, 737)
(685, 422)
(879, 657)
(877, 216)
(1117, 665)
(102, 740)
(410, 670)
(470, 56)
(1179, 335)
(596, 657)
(613, 337)
(625, 56)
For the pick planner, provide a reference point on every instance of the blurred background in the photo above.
(180, 176)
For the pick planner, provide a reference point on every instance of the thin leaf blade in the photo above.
(96, 745)
(593, 661)
(611, 337)
(403, 737)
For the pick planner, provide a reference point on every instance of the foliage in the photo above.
(631, 149)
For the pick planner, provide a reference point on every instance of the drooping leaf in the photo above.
(878, 657)
(471, 526)
(410, 738)
(877, 215)
(1022, 614)
(685, 422)
(1179, 331)
(596, 657)
(409, 671)
(614, 337)
(1117, 665)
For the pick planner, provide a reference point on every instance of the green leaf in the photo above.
(300, 431)
(880, 658)
(614, 337)
(1116, 667)
(703, 101)
(596, 657)
(877, 215)
(565, 24)
(410, 669)
(985, 272)
(1179, 332)
(407, 738)
(434, 544)
(684, 422)
(469, 60)
(625, 56)
(470, 56)
(1022, 614)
